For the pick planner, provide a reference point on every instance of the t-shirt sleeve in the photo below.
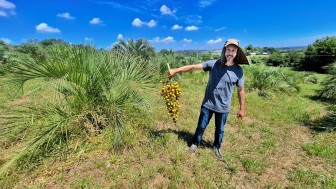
(240, 82)
(207, 65)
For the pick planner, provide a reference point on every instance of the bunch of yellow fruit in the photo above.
(171, 93)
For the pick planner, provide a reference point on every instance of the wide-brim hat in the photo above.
(240, 57)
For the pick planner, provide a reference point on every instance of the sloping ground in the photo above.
(266, 150)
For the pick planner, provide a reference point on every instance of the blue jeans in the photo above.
(203, 121)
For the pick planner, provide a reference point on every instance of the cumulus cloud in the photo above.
(211, 42)
(6, 40)
(7, 8)
(166, 10)
(185, 40)
(205, 3)
(138, 23)
(167, 40)
(96, 21)
(151, 24)
(176, 27)
(44, 28)
(120, 36)
(65, 15)
(191, 28)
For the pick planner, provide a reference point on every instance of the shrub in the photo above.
(93, 90)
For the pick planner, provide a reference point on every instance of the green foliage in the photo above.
(320, 54)
(326, 151)
(172, 58)
(266, 79)
(140, 47)
(207, 56)
(258, 59)
(278, 59)
(327, 122)
(92, 89)
(292, 58)
(252, 165)
(328, 92)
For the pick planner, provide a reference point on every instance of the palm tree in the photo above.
(93, 90)
(140, 47)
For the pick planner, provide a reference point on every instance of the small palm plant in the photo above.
(92, 90)
(140, 47)
(266, 79)
(328, 92)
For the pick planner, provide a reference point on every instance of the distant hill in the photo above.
(291, 48)
(218, 51)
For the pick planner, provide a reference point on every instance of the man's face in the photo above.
(230, 52)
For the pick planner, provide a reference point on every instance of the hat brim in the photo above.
(240, 57)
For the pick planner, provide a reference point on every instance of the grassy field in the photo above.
(273, 147)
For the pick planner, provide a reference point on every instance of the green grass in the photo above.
(272, 148)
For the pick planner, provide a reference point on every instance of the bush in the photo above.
(93, 90)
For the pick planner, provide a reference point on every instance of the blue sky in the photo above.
(188, 24)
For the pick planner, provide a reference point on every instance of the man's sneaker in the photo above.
(218, 153)
(192, 148)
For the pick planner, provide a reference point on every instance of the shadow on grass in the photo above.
(183, 135)
(326, 123)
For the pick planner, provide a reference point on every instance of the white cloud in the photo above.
(185, 40)
(96, 21)
(65, 15)
(6, 8)
(88, 39)
(205, 3)
(222, 28)
(6, 4)
(166, 10)
(44, 28)
(6, 40)
(176, 27)
(211, 42)
(167, 40)
(120, 36)
(191, 28)
(138, 23)
(151, 24)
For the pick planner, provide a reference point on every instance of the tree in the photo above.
(140, 47)
(319, 55)
(48, 42)
(278, 59)
(249, 48)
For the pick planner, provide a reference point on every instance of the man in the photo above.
(225, 73)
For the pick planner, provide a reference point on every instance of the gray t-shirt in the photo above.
(222, 79)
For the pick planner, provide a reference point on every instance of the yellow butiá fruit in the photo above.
(171, 93)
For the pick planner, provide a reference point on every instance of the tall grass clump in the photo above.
(93, 90)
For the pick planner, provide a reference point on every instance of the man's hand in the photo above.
(171, 73)
(241, 114)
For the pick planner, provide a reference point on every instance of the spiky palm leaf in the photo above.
(140, 47)
(95, 86)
